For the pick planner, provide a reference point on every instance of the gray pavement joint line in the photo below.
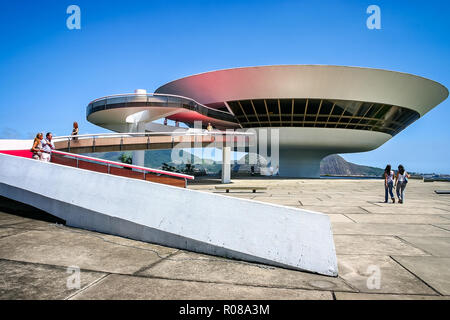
(412, 245)
(376, 204)
(364, 209)
(11, 225)
(440, 228)
(9, 235)
(349, 284)
(93, 283)
(17, 226)
(445, 217)
(416, 276)
(54, 266)
(345, 215)
(162, 257)
(151, 265)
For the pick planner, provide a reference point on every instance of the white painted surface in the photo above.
(311, 81)
(11, 144)
(226, 165)
(183, 218)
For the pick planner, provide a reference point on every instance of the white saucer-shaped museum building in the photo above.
(318, 110)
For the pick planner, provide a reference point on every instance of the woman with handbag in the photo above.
(37, 147)
(388, 184)
(401, 180)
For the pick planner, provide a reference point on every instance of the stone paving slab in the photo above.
(6, 232)
(436, 246)
(394, 279)
(399, 218)
(435, 271)
(389, 229)
(335, 209)
(374, 245)
(8, 219)
(364, 237)
(115, 287)
(197, 267)
(32, 225)
(333, 203)
(19, 280)
(77, 247)
(337, 217)
(368, 296)
(415, 205)
(404, 210)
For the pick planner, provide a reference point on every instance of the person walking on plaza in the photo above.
(47, 147)
(401, 179)
(37, 147)
(388, 184)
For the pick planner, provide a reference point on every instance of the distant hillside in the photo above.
(336, 165)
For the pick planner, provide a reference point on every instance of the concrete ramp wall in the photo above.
(171, 216)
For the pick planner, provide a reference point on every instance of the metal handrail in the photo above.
(155, 94)
(120, 164)
(144, 134)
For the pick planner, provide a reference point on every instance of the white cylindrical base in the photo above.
(226, 165)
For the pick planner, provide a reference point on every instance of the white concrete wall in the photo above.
(177, 217)
(12, 144)
(226, 164)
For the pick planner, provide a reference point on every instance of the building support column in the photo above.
(226, 165)
(299, 163)
(139, 156)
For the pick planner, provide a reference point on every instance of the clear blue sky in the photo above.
(48, 74)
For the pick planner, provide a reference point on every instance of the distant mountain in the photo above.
(336, 165)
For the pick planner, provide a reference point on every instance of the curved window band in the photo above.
(322, 114)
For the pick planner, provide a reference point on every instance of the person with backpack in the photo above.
(401, 179)
(388, 184)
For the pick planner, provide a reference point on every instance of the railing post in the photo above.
(109, 168)
(145, 173)
(77, 163)
(68, 143)
(93, 144)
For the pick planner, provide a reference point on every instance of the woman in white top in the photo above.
(388, 183)
(400, 181)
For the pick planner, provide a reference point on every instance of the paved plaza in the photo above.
(384, 251)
